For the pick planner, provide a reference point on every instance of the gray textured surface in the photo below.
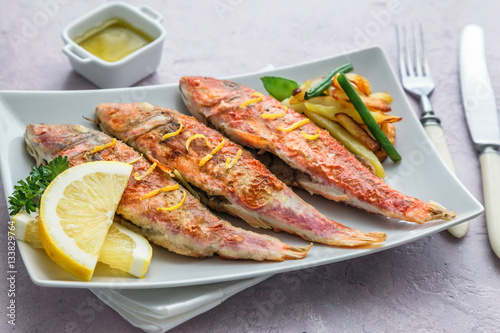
(437, 284)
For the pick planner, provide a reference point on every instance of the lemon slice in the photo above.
(126, 250)
(26, 228)
(76, 212)
(123, 249)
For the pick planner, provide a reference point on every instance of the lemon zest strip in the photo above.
(135, 160)
(169, 135)
(311, 136)
(258, 98)
(205, 159)
(230, 163)
(148, 171)
(184, 182)
(272, 115)
(196, 136)
(158, 191)
(171, 208)
(219, 147)
(294, 126)
(215, 151)
(102, 147)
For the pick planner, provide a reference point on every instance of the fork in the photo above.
(417, 80)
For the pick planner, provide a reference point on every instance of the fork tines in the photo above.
(419, 52)
(413, 64)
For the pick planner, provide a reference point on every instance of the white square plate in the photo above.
(421, 174)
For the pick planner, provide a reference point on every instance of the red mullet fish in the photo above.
(190, 229)
(326, 167)
(231, 179)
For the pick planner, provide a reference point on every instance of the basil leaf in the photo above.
(279, 87)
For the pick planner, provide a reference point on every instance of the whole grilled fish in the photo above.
(190, 230)
(231, 179)
(246, 117)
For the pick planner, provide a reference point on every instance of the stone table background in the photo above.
(436, 284)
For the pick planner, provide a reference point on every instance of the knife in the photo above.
(481, 115)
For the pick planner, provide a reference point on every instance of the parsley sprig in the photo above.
(27, 192)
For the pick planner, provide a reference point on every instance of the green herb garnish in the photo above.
(27, 192)
(279, 87)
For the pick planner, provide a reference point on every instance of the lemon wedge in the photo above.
(123, 249)
(26, 228)
(76, 211)
(126, 250)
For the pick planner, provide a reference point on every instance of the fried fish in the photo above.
(230, 178)
(324, 166)
(154, 203)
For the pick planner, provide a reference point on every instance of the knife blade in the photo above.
(482, 118)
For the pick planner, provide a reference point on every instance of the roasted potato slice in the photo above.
(390, 131)
(299, 98)
(383, 96)
(373, 104)
(297, 107)
(344, 137)
(321, 100)
(361, 84)
(329, 111)
(381, 155)
(357, 131)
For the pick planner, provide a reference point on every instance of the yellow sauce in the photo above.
(113, 40)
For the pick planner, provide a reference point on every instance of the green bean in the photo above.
(318, 89)
(368, 118)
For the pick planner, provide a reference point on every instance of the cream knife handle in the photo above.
(436, 134)
(490, 167)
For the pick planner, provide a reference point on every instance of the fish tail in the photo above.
(275, 252)
(423, 212)
(296, 252)
(290, 214)
(440, 212)
(358, 239)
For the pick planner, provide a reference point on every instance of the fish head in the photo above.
(46, 141)
(203, 96)
(127, 120)
(116, 118)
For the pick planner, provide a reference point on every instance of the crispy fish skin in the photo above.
(247, 190)
(334, 172)
(190, 230)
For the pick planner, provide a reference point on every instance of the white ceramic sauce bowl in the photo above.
(128, 70)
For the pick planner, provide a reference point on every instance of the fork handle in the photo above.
(436, 134)
(490, 164)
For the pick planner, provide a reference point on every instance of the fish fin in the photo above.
(160, 165)
(258, 223)
(248, 217)
(305, 182)
(247, 139)
(294, 177)
(126, 223)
